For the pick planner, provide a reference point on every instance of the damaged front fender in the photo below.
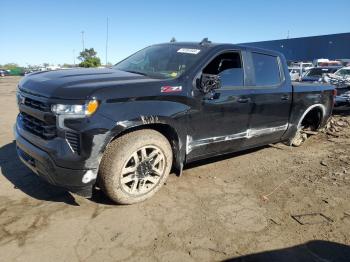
(175, 134)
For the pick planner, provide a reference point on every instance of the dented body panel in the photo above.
(197, 124)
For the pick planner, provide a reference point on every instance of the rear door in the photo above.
(271, 99)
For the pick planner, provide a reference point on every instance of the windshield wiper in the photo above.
(136, 72)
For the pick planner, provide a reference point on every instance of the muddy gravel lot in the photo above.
(275, 203)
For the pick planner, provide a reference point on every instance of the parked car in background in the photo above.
(340, 79)
(297, 69)
(343, 72)
(322, 62)
(345, 62)
(316, 74)
(303, 66)
(30, 71)
(343, 100)
(4, 72)
(294, 74)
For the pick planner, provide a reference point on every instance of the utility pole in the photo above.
(107, 43)
(288, 35)
(74, 57)
(82, 39)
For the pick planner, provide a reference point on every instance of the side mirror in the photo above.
(208, 82)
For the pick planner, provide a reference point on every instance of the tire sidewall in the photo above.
(120, 151)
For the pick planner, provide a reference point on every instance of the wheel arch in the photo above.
(298, 120)
(311, 112)
(168, 131)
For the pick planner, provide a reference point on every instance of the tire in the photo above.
(135, 166)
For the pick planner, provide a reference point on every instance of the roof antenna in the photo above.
(205, 41)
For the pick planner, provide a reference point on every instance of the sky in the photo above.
(35, 32)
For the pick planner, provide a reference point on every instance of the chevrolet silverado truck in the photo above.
(124, 129)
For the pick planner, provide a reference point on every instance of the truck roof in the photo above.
(211, 45)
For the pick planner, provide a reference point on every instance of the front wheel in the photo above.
(135, 166)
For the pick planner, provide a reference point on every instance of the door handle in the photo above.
(285, 97)
(243, 100)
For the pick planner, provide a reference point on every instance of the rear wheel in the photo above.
(308, 126)
(135, 166)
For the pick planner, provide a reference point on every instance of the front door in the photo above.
(219, 122)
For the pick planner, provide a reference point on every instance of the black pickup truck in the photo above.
(125, 128)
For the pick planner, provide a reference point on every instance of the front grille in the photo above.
(74, 141)
(38, 127)
(37, 104)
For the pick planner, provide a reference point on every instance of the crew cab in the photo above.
(125, 128)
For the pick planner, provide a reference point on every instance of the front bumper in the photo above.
(78, 181)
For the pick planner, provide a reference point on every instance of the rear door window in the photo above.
(267, 69)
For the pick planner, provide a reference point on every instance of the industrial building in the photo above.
(335, 46)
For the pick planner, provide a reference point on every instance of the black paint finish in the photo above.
(198, 125)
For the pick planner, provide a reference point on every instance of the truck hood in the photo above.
(77, 83)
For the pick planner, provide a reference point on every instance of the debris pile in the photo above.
(336, 125)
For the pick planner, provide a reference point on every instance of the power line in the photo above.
(107, 42)
(82, 39)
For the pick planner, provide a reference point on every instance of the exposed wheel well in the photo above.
(312, 120)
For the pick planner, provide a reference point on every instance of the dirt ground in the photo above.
(237, 207)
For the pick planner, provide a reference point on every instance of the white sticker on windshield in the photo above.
(189, 51)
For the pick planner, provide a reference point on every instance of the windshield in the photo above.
(343, 72)
(160, 61)
(318, 72)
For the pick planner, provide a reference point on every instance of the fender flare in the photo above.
(293, 127)
(152, 122)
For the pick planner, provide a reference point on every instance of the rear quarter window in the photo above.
(267, 69)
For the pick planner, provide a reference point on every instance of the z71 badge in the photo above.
(170, 89)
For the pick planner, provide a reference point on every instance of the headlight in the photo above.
(86, 109)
